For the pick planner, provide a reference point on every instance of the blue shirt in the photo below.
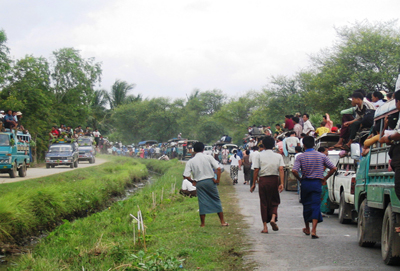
(312, 164)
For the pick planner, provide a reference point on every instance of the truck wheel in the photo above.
(390, 240)
(13, 171)
(361, 227)
(22, 170)
(71, 165)
(91, 161)
(76, 163)
(53, 166)
(47, 165)
(342, 210)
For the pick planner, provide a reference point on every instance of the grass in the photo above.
(29, 207)
(104, 241)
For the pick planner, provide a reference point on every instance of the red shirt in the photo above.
(289, 124)
(55, 132)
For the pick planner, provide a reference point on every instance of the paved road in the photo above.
(33, 173)
(290, 249)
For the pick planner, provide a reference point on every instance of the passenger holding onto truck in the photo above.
(54, 133)
(312, 165)
(322, 129)
(308, 129)
(9, 121)
(394, 141)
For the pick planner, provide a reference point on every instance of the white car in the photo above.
(208, 150)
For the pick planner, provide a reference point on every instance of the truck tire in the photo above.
(91, 161)
(13, 170)
(76, 163)
(342, 210)
(47, 165)
(361, 227)
(71, 165)
(53, 166)
(22, 170)
(390, 240)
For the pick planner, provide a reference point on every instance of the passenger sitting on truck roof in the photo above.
(322, 129)
(364, 118)
(297, 127)
(19, 125)
(278, 128)
(9, 121)
(289, 122)
(88, 131)
(54, 133)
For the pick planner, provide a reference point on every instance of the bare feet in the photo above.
(225, 224)
(264, 231)
(202, 225)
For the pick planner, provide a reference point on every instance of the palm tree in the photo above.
(119, 94)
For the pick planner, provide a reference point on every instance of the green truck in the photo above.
(375, 200)
(15, 153)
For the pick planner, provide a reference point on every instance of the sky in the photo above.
(170, 48)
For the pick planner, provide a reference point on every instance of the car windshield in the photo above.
(84, 141)
(4, 140)
(60, 149)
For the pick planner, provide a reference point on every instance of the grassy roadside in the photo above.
(31, 206)
(104, 241)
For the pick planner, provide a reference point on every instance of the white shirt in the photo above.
(307, 127)
(291, 144)
(201, 167)
(96, 134)
(268, 162)
(378, 103)
(253, 156)
(235, 161)
(157, 149)
(186, 185)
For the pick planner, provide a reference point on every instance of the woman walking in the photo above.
(225, 154)
(236, 164)
(246, 167)
(268, 166)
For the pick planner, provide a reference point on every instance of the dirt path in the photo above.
(34, 173)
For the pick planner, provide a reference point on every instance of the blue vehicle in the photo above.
(62, 152)
(15, 153)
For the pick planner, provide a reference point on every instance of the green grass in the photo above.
(31, 206)
(104, 241)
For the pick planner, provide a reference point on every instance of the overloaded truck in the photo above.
(62, 152)
(375, 200)
(15, 153)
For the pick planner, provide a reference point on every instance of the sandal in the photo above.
(225, 224)
(305, 231)
(274, 226)
(314, 236)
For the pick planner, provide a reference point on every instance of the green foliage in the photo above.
(5, 60)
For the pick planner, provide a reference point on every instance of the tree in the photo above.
(73, 81)
(29, 92)
(119, 94)
(5, 61)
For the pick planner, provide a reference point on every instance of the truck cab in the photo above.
(87, 150)
(375, 200)
(15, 153)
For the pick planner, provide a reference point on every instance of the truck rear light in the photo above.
(353, 185)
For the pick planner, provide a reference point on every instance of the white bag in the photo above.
(355, 151)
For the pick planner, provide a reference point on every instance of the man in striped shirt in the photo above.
(312, 165)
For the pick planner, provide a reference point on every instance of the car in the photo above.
(208, 150)
(62, 153)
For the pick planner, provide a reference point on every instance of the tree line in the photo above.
(65, 89)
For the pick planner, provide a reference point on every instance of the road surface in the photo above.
(290, 249)
(33, 173)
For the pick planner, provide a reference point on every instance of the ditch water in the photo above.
(10, 254)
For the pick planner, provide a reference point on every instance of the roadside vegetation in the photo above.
(30, 207)
(174, 240)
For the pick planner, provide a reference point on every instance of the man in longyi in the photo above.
(199, 171)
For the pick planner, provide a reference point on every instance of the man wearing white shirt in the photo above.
(199, 171)
(253, 155)
(308, 129)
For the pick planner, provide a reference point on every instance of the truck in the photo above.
(375, 200)
(87, 150)
(62, 152)
(15, 153)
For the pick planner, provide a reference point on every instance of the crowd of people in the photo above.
(11, 120)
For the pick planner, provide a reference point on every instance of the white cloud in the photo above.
(169, 48)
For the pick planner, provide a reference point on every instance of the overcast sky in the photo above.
(169, 48)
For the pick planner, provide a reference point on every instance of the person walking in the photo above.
(312, 165)
(236, 164)
(246, 167)
(199, 171)
(268, 167)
